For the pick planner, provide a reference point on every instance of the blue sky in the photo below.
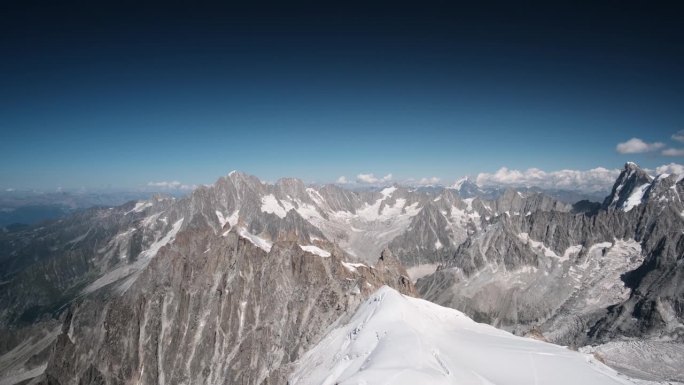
(100, 98)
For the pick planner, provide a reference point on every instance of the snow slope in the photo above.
(636, 197)
(394, 339)
(315, 250)
(131, 271)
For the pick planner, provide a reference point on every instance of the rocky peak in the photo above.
(629, 188)
(391, 270)
(213, 309)
(666, 190)
(292, 187)
(467, 188)
(240, 178)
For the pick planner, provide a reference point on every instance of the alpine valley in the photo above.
(246, 282)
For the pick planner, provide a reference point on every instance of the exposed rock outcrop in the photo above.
(213, 310)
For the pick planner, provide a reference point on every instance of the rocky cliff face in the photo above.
(445, 222)
(235, 267)
(232, 283)
(213, 310)
(629, 189)
(577, 278)
(44, 267)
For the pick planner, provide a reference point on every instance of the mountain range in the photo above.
(238, 281)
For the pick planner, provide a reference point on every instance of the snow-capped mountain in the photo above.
(395, 339)
(578, 278)
(629, 189)
(213, 310)
(634, 187)
(467, 188)
(171, 291)
(201, 272)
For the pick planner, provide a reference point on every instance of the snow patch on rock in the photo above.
(315, 250)
(257, 241)
(269, 204)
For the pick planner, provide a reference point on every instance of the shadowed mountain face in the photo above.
(32, 207)
(237, 280)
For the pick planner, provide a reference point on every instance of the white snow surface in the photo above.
(394, 339)
(315, 250)
(231, 220)
(366, 230)
(259, 242)
(131, 271)
(535, 245)
(636, 197)
(269, 204)
(419, 271)
(222, 220)
(386, 192)
(352, 266)
(16, 366)
(459, 183)
(139, 206)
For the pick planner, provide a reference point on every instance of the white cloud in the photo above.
(366, 178)
(173, 185)
(673, 152)
(371, 179)
(597, 179)
(165, 184)
(672, 168)
(342, 180)
(428, 181)
(678, 136)
(637, 146)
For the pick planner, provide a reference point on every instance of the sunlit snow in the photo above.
(130, 270)
(394, 339)
(256, 240)
(269, 204)
(352, 266)
(636, 197)
(315, 250)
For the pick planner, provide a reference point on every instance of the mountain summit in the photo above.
(239, 279)
(467, 188)
(629, 188)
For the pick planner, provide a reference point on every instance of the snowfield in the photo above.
(395, 339)
(636, 197)
(315, 250)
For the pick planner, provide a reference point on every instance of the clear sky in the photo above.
(98, 94)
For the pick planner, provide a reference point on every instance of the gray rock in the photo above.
(576, 278)
(233, 314)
